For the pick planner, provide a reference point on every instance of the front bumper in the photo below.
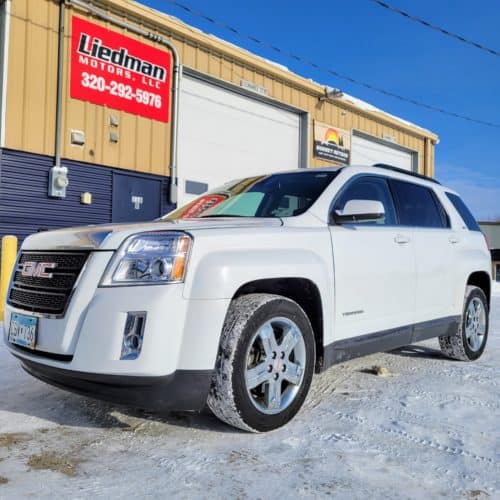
(179, 333)
(81, 351)
(185, 390)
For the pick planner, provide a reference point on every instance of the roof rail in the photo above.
(406, 172)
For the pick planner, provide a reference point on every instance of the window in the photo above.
(287, 206)
(464, 212)
(497, 277)
(373, 189)
(442, 212)
(418, 206)
(277, 195)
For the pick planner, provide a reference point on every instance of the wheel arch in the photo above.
(305, 293)
(482, 280)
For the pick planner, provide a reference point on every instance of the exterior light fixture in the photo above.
(331, 93)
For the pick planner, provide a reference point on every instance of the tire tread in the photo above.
(454, 346)
(221, 398)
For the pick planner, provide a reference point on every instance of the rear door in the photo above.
(420, 211)
(374, 266)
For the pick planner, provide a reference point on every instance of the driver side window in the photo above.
(373, 189)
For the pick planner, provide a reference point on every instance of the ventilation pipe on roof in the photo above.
(175, 82)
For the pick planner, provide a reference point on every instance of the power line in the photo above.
(327, 70)
(436, 28)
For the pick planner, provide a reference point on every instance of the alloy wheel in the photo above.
(276, 359)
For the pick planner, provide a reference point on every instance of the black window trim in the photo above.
(388, 179)
(442, 209)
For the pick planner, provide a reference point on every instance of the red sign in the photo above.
(114, 70)
(201, 205)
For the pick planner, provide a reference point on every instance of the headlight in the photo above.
(149, 259)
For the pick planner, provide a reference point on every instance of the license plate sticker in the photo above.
(23, 330)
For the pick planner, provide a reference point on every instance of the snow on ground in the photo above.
(430, 429)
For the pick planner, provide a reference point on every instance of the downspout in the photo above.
(428, 167)
(60, 69)
(175, 83)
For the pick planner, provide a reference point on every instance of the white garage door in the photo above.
(224, 135)
(368, 152)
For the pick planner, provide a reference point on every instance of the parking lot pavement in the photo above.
(428, 428)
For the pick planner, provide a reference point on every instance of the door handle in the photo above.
(454, 239)
(401, 239)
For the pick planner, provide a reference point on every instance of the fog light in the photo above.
(133, 335)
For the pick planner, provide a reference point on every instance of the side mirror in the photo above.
(359, 211)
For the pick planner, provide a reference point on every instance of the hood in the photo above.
(111, 236)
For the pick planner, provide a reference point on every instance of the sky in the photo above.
(369, 43)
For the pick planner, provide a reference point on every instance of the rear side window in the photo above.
(464, 212)
(417, 205)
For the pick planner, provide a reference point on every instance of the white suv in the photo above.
(237, 298)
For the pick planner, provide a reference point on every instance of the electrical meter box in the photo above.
(58, 182)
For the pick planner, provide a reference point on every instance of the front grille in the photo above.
(48, 295)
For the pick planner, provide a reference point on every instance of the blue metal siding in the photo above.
(25, 206)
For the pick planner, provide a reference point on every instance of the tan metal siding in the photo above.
(31, 82)
(144, 144)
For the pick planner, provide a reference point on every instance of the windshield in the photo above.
(277, 195)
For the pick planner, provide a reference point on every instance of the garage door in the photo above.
(225, 135)
(367, 151)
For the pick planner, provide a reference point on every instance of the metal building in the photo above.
(492, 232)
(126, 99)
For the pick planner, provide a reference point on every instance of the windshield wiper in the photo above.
(219, 215)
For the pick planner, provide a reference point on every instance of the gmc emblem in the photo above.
(38, 269)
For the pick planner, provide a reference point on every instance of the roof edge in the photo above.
(181, 29)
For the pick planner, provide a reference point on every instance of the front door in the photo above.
(374, 266)
(135, 198)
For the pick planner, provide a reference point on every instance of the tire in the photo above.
(247, 344)
(469, 341)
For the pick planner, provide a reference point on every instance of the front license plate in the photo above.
(23, 330)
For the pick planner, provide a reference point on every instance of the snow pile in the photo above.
(429, 430)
